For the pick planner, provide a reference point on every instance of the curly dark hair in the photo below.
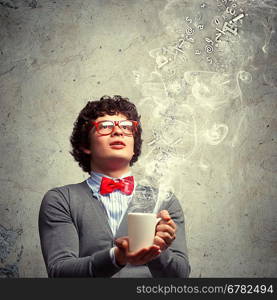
(93, 110)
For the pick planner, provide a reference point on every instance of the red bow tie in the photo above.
(125, 185)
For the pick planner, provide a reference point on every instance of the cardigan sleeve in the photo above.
(173, 262)
(60, 242)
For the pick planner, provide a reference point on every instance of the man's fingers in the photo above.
(139, 257)
(122, 243)
(150, 255)
(160, 242)
(165, 228)
(172, 224)
(164, 215)
(142, 251)
(144, 255)
(166, 219)
(166, 237)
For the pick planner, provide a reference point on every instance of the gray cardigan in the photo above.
(76, 237)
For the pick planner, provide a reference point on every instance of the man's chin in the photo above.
(118, 161)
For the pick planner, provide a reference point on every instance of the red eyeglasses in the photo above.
(107, 127)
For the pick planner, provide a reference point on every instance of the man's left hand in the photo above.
(165, 231)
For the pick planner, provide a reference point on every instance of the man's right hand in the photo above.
(141, 257)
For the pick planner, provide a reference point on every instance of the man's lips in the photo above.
(117, 145)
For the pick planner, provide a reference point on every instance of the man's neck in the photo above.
(111, 172)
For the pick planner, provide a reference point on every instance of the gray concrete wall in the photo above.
(206, 91)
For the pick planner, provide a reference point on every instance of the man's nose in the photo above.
(117, 130)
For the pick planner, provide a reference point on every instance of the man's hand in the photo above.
(165, 235)
(141, 257)
(165, 231)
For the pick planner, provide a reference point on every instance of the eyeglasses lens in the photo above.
(107, 127)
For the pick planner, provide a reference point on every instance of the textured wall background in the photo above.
(203, 75)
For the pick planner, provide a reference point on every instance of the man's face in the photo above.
(115, 148)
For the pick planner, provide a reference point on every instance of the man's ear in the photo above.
(86, 151)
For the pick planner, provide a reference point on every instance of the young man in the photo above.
(83, 227)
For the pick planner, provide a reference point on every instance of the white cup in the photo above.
(141, 230)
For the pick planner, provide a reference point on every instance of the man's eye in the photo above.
(106, 125)
(126, 125)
